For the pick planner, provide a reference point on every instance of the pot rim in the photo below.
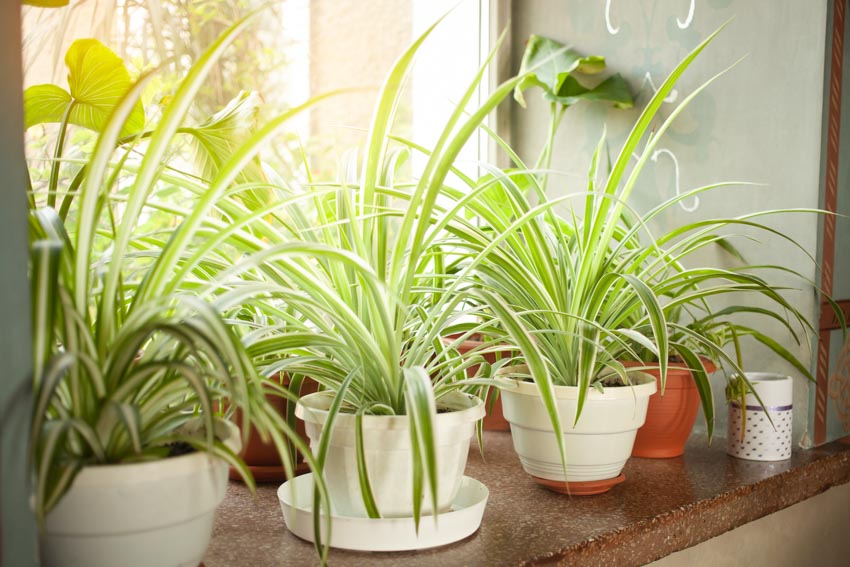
(673, 365)
(474, 342)
(124, 473)
(768, 377)
(464, 408)
(645, 385)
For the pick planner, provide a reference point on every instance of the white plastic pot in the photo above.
(155, 514)
(386, 441)
(597, 447)
(761, 440)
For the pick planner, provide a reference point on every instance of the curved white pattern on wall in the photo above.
(672, 156)
(686, 24)
(611, 29)
(647, 78)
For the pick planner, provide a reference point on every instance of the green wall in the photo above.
(18, 531)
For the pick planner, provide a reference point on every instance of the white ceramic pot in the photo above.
(597, 447)
(762, 441)
(386, 440)
(155, 514)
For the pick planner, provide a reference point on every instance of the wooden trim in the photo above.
(830, 204)
(828, 320)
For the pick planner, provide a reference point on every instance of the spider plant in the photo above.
(122, 363)
(582, 292)
(358, 267)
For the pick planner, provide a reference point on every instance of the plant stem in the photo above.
(53, 181)
(556, 113)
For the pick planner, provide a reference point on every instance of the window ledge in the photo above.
(664, 506)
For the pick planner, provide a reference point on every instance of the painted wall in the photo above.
(353, 45)
(816, 527)
(760, 122)
(17, 526)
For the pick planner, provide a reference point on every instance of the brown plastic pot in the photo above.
(262, 458)
(494, 420)
(669, 418)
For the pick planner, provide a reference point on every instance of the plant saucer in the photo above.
(385, 534)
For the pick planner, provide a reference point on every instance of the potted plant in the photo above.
(706, 332)
(563, 76)
(357, 277)
(561, 289)
(129, 456)
(579, 295)
(607, 243)
(673, 409)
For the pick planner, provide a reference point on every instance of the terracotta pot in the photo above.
(581, 488)
(669, 418)
(262, 458)
(494, 420)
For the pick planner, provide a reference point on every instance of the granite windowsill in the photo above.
(664, 506)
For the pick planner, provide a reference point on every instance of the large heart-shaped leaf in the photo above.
(612, 89)
(550, 63)
(97, 79)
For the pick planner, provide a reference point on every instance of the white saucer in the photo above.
(385, 534)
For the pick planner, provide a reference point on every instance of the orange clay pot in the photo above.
(669, 418)
(262, 458)
(494, 420)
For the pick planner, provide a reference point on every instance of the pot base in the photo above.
(581, 488)
(658, 452)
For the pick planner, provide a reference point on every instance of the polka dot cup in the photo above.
(762, 441)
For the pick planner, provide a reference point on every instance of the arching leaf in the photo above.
(217, 139)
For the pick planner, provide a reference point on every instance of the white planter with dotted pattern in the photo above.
(762, 441)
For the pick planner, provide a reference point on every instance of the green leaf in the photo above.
(45, 3)
(97, 79)
(422, 411)
(217, 139)
(362, 472)
(45, 103)
(700, 376)
(550, 63)
(613, 89)
(46, 257)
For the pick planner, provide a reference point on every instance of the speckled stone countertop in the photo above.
(664, 506)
